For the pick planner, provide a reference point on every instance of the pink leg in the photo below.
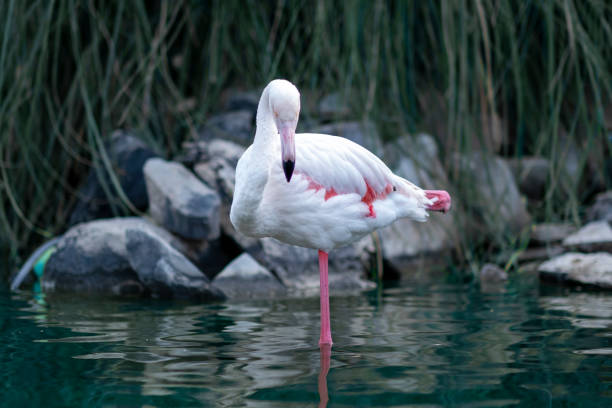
(325, 326)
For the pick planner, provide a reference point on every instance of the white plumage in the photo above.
(317, 191)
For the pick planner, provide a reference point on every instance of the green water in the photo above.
(428, 345)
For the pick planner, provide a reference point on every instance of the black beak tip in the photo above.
(288, 166)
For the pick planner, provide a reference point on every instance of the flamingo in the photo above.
(325, 192)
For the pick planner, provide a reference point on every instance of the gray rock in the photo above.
(540, 253)
(237, 126)
(180, 202)
(164, 271)
(491, 273)
(298, 268)
(92, 258)
(548, 233)
(602, 208)
(218, 169)
(496, 204)
(593, 237)
(363, 133)
(416, 159)
(531, 174)
(236, 99)
(245, 278)
(128, 155)
(333, 106)
(594, 270)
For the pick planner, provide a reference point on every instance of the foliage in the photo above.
(533, 75)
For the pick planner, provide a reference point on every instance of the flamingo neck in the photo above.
(266, 133)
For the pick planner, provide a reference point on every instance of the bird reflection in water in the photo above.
(325, 360)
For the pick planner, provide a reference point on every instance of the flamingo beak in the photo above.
(287, 134)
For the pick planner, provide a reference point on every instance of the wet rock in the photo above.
(333, 106)
(236, 126)
(239, 100)
(602, 208)
(531, 174)
(593, 237)
(594, 270)
(245, 278)
(180, 202)
(363, 133)
(92, 258)
(496, 205)
(548, 233)
(164, 271)
(490, 273)
(128, 155)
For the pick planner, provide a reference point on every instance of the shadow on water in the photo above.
(433, 344)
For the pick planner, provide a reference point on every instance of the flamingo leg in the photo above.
(325, 325)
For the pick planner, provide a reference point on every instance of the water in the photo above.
(426, 345)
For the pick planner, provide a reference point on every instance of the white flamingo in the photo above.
(324, 193)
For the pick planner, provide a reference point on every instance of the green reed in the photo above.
(536, 74)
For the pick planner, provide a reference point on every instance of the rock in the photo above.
(298, 268)
(602, 208)
(236, 126)
(164, 271)
(416, 159)
(594, 270)
(92, 258)
(540, 253)
(239, 100)
(548, 233)
(496, 205)
(593, 237)
(531, 174)
(363, 133)
(180, 202)
(491, 273)
(245, 278)
(333, 106)
(127, 154)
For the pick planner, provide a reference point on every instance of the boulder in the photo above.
(491, 273)
(363, 133)
(404, 241)
(240, 100)
(298, 268)
(180, 202)
(602, 208)
(531, 174)
(164, 271)
(593, 270)
(540, 253)
(237, 126)
(245, 278)
(593, 237)
(333, 106)
(127, 155)
(495, 205)
(549, 233)
(93, 258)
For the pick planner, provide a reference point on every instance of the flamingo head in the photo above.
(285, 106)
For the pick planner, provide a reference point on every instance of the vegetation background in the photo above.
(514, 78)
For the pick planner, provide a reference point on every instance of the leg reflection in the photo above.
(325, 359)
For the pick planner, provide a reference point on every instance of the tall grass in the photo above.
(72, 71)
